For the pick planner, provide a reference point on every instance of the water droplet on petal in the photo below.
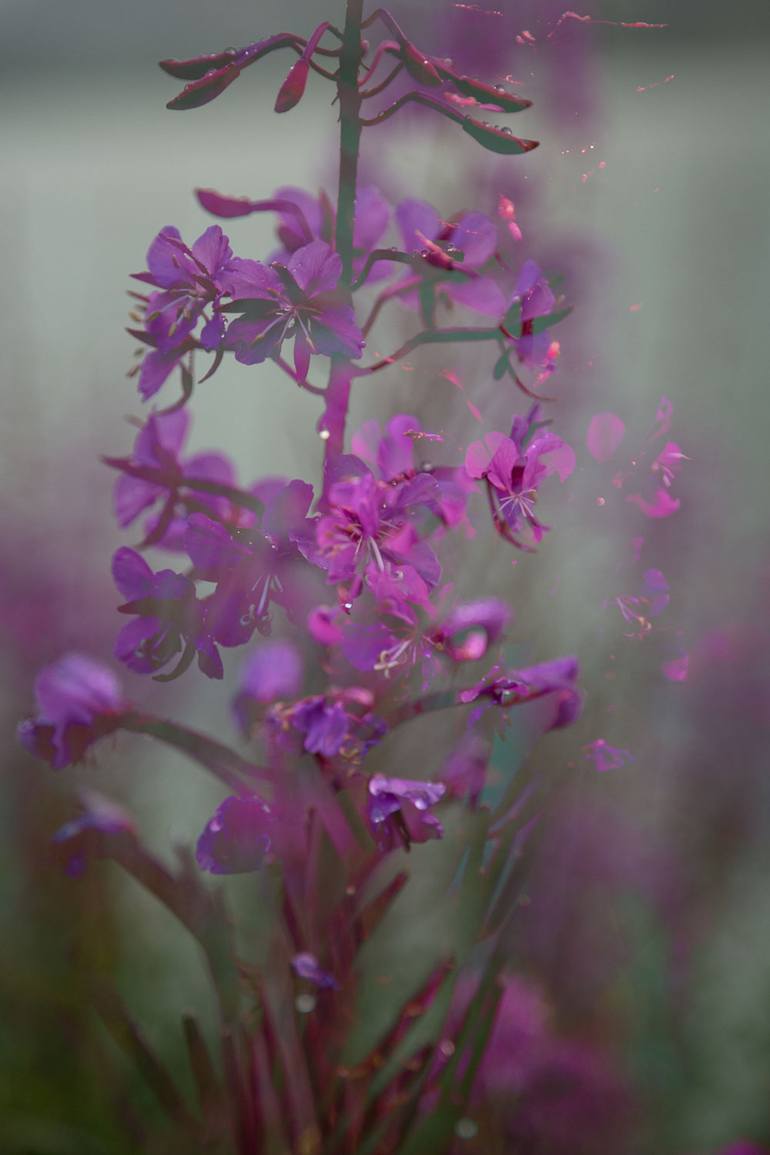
(324, 434)
(466, 1129)
(305, 1003)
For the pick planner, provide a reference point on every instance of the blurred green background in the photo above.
(669, 243)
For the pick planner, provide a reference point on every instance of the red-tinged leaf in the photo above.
(485, 93)
(197, 66)
(223, 206)
(208, 88)
(293, 88)
(496, 139)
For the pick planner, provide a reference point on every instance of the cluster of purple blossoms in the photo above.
(345, 595)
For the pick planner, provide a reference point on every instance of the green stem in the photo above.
(350, 135)
(332, 424)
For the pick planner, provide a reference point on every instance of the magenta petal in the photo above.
(223, 206)
(418, 222)
(212, 248)
(476, 237)
(131, 574)
(662, 505)
(273, 671)
(238, 837)
(210, 467)
(164, 256)
(161, 432)
(130, 496)
(482, 294)
(372, 218)
(156, 369)
(336, 332)
(77, 688)
(213, 333)
(316, 268)
(130, 641)
(605, 434)
(395, 455)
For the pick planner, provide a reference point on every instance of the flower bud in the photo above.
(293, 88)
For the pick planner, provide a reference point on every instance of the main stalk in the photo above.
(332, 424)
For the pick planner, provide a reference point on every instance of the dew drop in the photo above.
(601, 501)
(466, 1129)
(324, 434)
(305, 1003)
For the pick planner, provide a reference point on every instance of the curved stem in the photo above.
(398, 258)
(415, 98)
(225, 764)
(367, 93)
(428, 337)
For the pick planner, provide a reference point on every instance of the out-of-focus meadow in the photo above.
(647, 930)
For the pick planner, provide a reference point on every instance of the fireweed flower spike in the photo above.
(356, 575)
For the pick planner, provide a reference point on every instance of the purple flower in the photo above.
(316, 215)
(253, 566)
(296, 300)
(397, 810)
(471, 628)
(307, 967)
(79, 701)
(189, 280)
(323, 724)
(156, 470)
(329, 725)
(513, 469)
(392, 455)
(238, 837)
(535, 300)
(467, 243)
(169, 619)
(369, 532)
(555, 679)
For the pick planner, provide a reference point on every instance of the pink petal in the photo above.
(605, 433)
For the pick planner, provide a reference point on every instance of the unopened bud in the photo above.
(293, 88)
